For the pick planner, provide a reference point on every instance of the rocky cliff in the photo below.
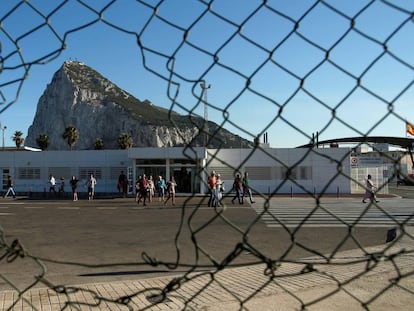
(81, 97)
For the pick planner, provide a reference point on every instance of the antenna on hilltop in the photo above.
(3, 128)
(204, 89)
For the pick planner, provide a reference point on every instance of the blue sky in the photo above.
(288, 68)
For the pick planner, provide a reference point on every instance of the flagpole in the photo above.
(409, 129)
(406, 132)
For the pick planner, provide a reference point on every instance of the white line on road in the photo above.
(6, 214)
(68, 207)
(12, 203)
(33, 207)
(319, 225)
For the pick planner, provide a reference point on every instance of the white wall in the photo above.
(266, 163)
(326, 176)
(68, 161)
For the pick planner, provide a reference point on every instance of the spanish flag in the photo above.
(409, 128)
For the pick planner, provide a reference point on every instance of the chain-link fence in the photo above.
(301, 23)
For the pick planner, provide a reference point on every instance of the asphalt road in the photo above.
(104, 240)
(406, 192)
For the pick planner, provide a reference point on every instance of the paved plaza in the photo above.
(378, 277)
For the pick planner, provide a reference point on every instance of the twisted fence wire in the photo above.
(15, 68)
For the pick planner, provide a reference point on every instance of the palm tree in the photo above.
(18, 139)
(125, 141)
(71, 134)
(43, 141)
(99, 144)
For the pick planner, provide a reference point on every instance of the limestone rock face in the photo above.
(81, 97)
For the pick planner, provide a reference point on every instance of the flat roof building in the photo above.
(271, 170)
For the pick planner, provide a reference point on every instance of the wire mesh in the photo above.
(321, 46)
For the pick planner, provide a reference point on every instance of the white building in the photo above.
(271, 170)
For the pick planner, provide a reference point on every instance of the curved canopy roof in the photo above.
(403, 142)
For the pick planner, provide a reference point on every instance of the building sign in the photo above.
(366, 161)
(354, 161)
(370, 161)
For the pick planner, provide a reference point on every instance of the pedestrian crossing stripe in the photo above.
(309, 217)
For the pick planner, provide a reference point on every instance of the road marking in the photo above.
(33, 207)
(68, 207)
(106, 207)
(12, 203)
(335, 217)
(6, 214)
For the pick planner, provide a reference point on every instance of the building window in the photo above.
(296, 173)
(226, 172)
(114, 172)
(182, 162)
(304, 172)
(259, 172)
(153, 171)
(59, 172)
(29, 173)
(150, 162)
(84, 173)
(6, 173)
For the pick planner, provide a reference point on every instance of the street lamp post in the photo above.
(3, 128)
(204, 88)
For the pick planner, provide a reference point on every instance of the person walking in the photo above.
(171, 184)
(151, 188)
(143, 190)
(74, 185)
(161, 188)
(123, 184)
(370, 189)
(246, 187)
(137, 190)
(212, 186)
(10, 185)
(220, 189)
(238, 188)
(52, 182)
(62, 186)
(91, 187)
